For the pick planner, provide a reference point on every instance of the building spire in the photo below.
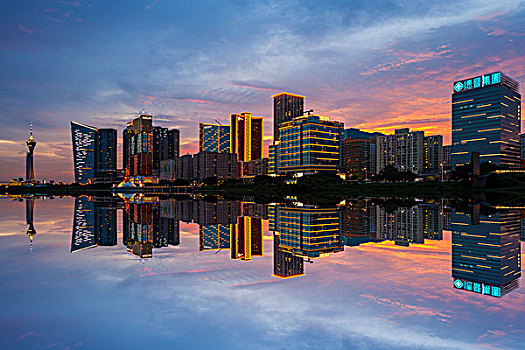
(31, 135)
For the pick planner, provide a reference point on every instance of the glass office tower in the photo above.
(286, 107)
(84, 139)
(486, 118)
(214, 138)
(310, 143)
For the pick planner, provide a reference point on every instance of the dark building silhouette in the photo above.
(286, 107)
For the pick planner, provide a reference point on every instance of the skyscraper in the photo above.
(106, 150)
(310, 143)
(486, 118)
(146, 146)
(246, 127)
(214, 138)
(94, 151)
(31, 144)
(286, 107)
(84, 139)
(432, 154)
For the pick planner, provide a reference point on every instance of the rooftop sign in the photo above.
(477, 82)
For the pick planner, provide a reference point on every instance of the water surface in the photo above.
(146, 273)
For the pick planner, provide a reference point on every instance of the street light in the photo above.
(441, 171)
(366, 174)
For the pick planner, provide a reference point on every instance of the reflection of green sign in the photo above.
(477, 82)
(478, 287)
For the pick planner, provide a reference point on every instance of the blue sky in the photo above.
(377, 65)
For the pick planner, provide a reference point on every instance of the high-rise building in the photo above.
(403, 150)
(31, 144)
(84, 151)
(94, 152)
(173, 143)
(246, 127)
(486, 251)
(486, 118)
(146, 146)
(310, 143)
(214, 138)
(432, 154)
(359, 157)
(106, 150)
(447, 156)
(286, 107)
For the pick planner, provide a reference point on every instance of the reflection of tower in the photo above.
(31, 232)
(285, 264)
(486, 252)
(246, 238)
(31, 144)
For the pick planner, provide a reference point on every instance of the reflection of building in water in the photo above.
(285, 264)
(486, 252)
(213, 237)
(358, 222)
(308, 231)
(94, 223)
(207, 213)
(522, 232)
(83, 236)
(149, 224)
(447, 219)
(31, 232)
(105, 221)
(407, 225)
(246, 238)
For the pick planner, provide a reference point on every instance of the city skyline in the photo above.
(350, 70)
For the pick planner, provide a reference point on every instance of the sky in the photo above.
(377, 65)
(375, 296)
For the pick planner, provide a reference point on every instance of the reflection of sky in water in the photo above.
(371, 296)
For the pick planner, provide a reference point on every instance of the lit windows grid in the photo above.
(309, 232)
(488, 252)
(487, 121)
(309, 144)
